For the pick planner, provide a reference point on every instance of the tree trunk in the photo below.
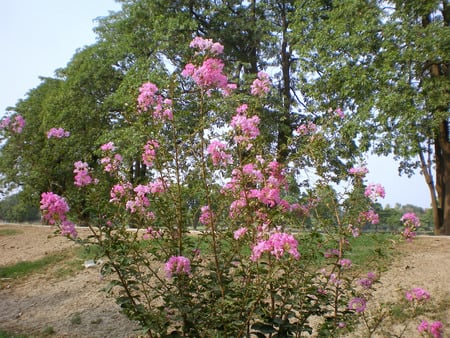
(442, 153)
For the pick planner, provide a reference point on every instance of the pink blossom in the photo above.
(437, 329)
(239, 233)
(177, 265)
(120, 191)
(358, 171)
(410, 219)
(246, 127)
(57, 133)
(216, 150)
(339, 113)
(354, 230)
(158, 186)
(82, 177)
(68, 229)
(408, 234)
(188, 70)
(417, 294)
(423, 327)
(236, 206)
(345, 263)
(260, 86)
(18, 124)
(140, 202)
(206, 215)
(149, 154)
(411, 223)
(111, 164)
(357, 304)
(54, 207)
(209, 74)
(108, 147)
(369, 216)
(373, 191)
(277, 244)
(306, 129)
(242, 108)
(366, 283)
(147, 96)
(205, 45)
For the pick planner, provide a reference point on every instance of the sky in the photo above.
(40, 36)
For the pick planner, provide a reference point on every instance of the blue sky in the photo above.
(40, 36)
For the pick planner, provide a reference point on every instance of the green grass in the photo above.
(10, 232)
(372, 248)
(68, 262)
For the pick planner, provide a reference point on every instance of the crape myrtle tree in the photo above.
(244, 273)
(387, 64)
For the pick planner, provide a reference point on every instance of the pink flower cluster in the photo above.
(357, 304)
(110, 164)
(140, 203)
(149, 154)
(345, 263)
(57, 133)
(16, 125)
(82, 176)
(373, 191)
(177, 265)
(54, 209)
(277, 244)
(217, 150)
(206, 45)
(120, 192)
(369, 216)
(306, 129)
(358, 171)
(209, 75)
(417, 294)
(148, 98)
(206, 216)
(136, 199)
(261, 85)
(239, 233)
(366, 283)
(245, 127)
(268, 180)
(436, 329)
(411, 222)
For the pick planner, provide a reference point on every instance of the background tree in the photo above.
(386, 64)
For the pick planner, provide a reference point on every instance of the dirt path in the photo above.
(73, 307)
(76, 307)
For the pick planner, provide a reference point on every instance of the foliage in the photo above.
(386, 64)
(247, 271)
(14, 209)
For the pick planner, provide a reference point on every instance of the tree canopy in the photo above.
(384, 64)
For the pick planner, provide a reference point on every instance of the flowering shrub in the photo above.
(251, 267)
(57, 133)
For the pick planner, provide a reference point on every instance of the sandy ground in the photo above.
(76, 306)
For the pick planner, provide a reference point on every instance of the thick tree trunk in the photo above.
(442, 153)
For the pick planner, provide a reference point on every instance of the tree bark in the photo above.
(442, 156)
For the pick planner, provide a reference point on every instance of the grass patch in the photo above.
(372, 248)
(5, 334)
(10, 232)
(67, 262)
